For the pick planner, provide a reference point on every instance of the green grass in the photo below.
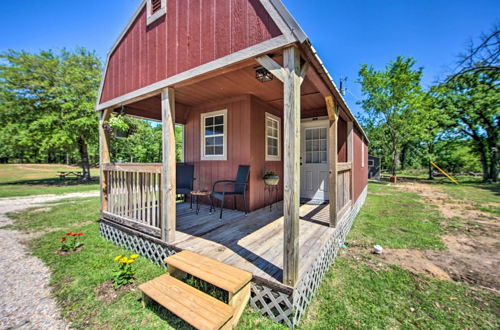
(356, 293)
(37, 179)
(397, 219)
(484, 196)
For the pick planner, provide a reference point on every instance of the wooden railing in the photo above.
(344, 186)
(133, 195)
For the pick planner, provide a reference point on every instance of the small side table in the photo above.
(271, 189)
(200, 193)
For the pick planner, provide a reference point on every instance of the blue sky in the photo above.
(346, 33)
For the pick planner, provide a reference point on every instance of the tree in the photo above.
(393, 99)
(471, 99)
(49, 98)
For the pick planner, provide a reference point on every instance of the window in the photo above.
(273, 137)
(316, 145)
(370, 162)
(213, 135)
(362, 152)
(155, 9)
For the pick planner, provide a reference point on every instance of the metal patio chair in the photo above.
(239, 188)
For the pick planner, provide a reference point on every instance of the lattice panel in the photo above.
(273, 304)
(310, 282)
(140, 245)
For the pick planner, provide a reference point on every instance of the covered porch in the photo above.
(275, 246)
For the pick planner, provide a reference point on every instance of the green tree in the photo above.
(48, 99)
(392, 101)
(472, 102)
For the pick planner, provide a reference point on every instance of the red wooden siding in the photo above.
(360, 172)
(342, 140)
(259, 198)
(192, 33)
(238, 144)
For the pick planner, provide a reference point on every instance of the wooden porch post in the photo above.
(333, 156)
(168, 205)
(104, 156)
(291, 196)
(349, 156)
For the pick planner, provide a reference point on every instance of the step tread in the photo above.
(223, 276)
(195, 307)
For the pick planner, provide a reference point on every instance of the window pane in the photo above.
(219, 129)
(209, 130)
(315, 134)
(322, 145)
(219, 120)
(219, 140)
(315, 157)
(308, 157)
(308, 145)
(210, 141)
(273, 151)
(275, 133)
(322, 133)
(323, 157)
(315, 146)
(269, 131)
(218, 150)
(209, 121)
(269, 123)
(209, 151)
(308, 134)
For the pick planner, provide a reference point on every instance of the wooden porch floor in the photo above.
(255, 242)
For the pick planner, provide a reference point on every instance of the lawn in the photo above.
(357, 292)
(36, 179)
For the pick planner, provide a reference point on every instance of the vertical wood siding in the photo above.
(342, 140)
(192, 33)
(360, 173)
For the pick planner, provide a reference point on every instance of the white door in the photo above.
(314, 170)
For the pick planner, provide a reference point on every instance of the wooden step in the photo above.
(195, 307)
(228, 278)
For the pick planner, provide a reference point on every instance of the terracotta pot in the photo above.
(393, 179)
(272, 180)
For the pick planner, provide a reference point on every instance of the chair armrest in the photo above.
(222, 181)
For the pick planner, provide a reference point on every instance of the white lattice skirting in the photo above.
(276, 303)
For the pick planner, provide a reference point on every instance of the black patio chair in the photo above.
(239, 188)
(184, 180)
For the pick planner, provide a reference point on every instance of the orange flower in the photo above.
(63, 239)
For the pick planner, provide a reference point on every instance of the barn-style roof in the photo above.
(195, 39)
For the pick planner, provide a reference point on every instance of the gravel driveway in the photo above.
(25, 302)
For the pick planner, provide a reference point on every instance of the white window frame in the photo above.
(153, 17)
(204, 115)
(370, 161)
(362, 152)
(273, 158)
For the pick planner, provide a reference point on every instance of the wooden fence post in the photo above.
(104, 156)
(291, 196)
(350, 151)
(333, 156)
(168, 175)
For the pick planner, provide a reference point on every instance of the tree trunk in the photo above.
(84, 155)
(484, 163)
(494, 165)
(431, 171)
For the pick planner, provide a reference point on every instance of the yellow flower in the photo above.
(134, 256)
(118, 258)
(130, 261)
(123, 260)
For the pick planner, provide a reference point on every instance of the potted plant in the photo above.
(271, 178)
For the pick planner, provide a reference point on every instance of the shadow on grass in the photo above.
(56, 182)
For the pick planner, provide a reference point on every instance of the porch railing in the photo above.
(344, 186)
(133, 195)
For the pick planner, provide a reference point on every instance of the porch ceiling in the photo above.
(226, 84)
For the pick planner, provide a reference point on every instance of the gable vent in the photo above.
(155, 6)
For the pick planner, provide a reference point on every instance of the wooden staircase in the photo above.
(195, 307)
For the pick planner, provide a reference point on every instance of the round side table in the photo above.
(272, 189)
(200, 193)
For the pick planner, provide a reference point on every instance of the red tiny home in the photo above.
(249, 89)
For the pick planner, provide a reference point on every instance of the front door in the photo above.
(314, 170)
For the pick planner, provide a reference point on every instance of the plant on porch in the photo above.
(271, 178)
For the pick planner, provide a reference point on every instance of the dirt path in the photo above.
(26, 302)
(472, 239)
